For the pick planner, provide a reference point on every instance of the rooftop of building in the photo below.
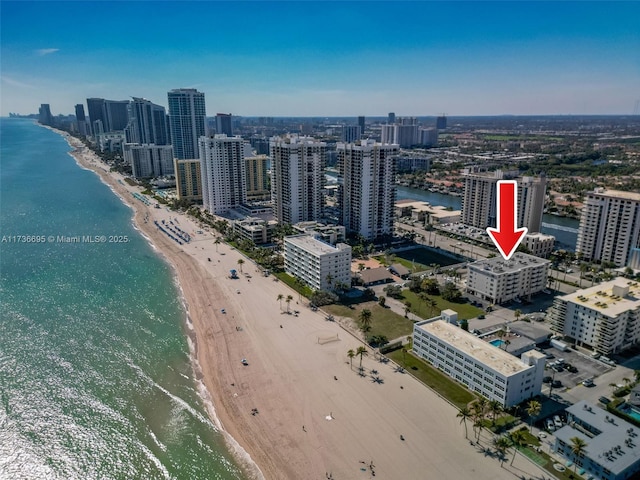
(373, 275)
(312, 244)
(517, 262)
(616, 194)
(491, 356)
(611, 441)
(608, 298)
(436, 210)
(541, 236)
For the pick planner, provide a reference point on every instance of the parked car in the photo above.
(557, 422)
(547, 380)
(550, 426)
(604, 400)
(588, 382)
(556, 384)
(572, 369)
(481, 317)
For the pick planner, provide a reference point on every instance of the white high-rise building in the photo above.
(605, 317)
(297, 178)
(148, 161)
(223, 173)
(480, 196)
(147, 123)
(610, 226)
(187, 119)
(318, 264)
(366, 192)
(389, 134)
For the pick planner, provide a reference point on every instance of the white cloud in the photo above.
(46, 51)
(15, 83)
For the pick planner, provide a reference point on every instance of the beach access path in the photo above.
(299, 408)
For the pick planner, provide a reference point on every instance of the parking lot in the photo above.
(587, 368)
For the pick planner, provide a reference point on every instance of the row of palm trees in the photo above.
(287, 300)
(360, 351)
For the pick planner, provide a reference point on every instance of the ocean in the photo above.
(96, 377)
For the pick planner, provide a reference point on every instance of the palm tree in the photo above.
(240, 263)
(463, 414)
(518, 438)
(432, 304)
(626, 381)
(578, 446)
(636, 375)
(517, 314)
(329, 279)
(217, 242)
(351, 354)
(362, 351)
(288, 301)
(495, 407)
(407, 309)
(365, 320)
(280, 297)
(533, 410)
(502, 444)
(506, 344)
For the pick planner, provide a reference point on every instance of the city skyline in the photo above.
(338, 59)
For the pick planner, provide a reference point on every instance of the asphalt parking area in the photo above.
(587, 367)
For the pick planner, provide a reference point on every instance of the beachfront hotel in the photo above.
(187, 117)
(297, 178)
(318, 264)
(148, 161)
(605, 317)
(611, 449)
(480, 366)
(366, 191)
(188, 179)
(147, 123)
(223, 173)
(497, 280)
(609, 227)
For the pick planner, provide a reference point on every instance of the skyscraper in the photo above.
(223, 173)
(531, 196)
(112, 113)
(389, 134)
(223, 124)
(480, 197)
(148, 161)
(297, 178)
(81, 119)
(257, 177)
(391, 118)
(187, 114)
(188, 179)
(147, 123)
(361, 124)
(366, 192)
(441, 122)
(351, 133)
(610, 226)
(44, 114)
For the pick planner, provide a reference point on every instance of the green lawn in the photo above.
(304, 290)
(383, 320)
(433, 378)
(465, 310)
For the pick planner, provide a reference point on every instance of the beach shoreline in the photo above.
(298, 409)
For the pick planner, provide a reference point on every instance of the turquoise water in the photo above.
(630, 410)
(95, 374)
(497, 342)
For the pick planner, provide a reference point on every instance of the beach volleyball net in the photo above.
(332, 338)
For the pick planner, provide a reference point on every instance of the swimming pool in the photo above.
(630, 410)
(497, 342)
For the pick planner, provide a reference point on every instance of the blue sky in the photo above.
(326, 58)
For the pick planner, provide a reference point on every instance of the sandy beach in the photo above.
(299, 409)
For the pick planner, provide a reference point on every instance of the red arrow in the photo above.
(507, 237)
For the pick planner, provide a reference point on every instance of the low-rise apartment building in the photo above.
(329, 233)
(497, 280)
(258, 230)
(605, 317)
(319, 264)
(539, 244)
(611, 444)
(481, 366)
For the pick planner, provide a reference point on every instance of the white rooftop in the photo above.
(491, 356)
(311, 244)
(609, 298)
(517, 262)
(617, 194)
